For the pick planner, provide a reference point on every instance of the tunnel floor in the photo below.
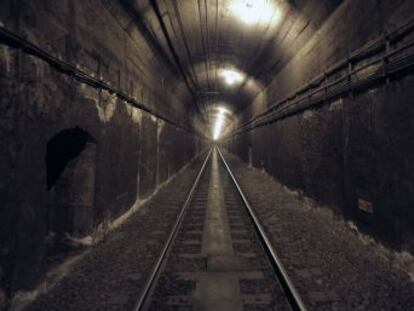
(215, 261)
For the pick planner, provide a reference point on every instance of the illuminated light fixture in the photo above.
(254, 11)
(218, 126)
(231, 77)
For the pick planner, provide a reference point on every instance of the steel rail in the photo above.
(154, 274)
(292, 294)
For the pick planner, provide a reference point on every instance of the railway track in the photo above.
(217, 256)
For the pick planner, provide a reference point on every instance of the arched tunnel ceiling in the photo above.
(200, 39)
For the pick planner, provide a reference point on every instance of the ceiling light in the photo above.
(253, 11)
(232, 77)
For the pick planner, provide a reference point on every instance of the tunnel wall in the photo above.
(134, 150)
(350, 151)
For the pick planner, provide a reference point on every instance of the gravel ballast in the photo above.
(331, 266)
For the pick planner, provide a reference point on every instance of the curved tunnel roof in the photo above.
(201, 39)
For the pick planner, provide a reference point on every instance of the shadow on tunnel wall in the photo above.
(70, 163)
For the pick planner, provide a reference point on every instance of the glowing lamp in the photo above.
(232, 77)
(251, 12)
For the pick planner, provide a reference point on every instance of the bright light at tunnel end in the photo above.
(218, 126)
(253, 11)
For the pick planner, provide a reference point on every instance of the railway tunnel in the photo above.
(207, 155)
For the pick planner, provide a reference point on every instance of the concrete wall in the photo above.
(127, 152)
(353, 152)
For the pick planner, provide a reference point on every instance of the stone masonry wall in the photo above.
(135, 151)
(353, 153)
